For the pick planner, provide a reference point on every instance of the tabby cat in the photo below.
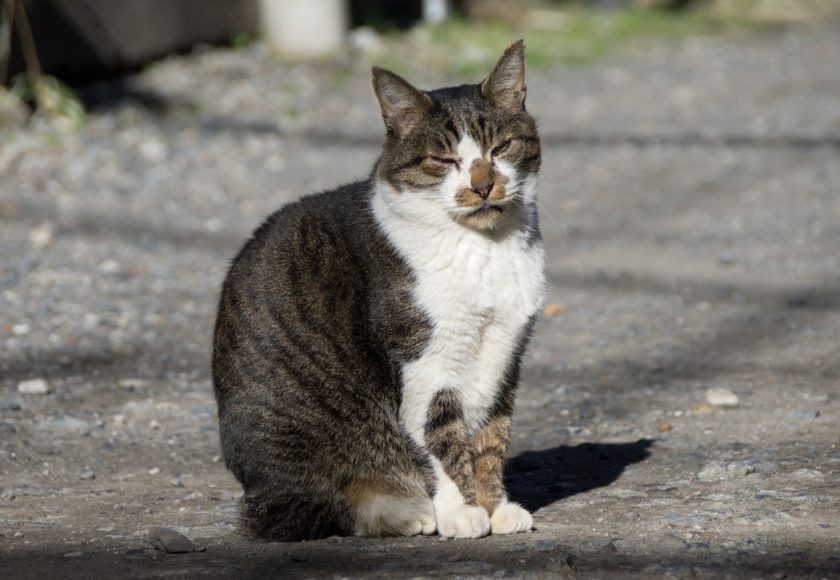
(368, 339)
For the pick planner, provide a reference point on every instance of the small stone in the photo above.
(7, 495)
(806, 414)
(17, 535)
(74, 555)
(720, 397)
(34, 387)
(808, 475)
(41, 236)
(153, 150)
(132, 384)
(704, 408)
(64, 423)
(154, 471)
(20, 329)
(87, 474)
(739, 470)
(664, 427)
(713, 472)
(109, 266)
(176, 482)
(169, 541)
(554, 309)
(720, 471)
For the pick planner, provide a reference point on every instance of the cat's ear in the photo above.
(506, 84)
(403, 106)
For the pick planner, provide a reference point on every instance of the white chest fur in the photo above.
(478, 292)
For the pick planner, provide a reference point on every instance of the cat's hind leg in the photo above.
(284, 514)
(382, 510)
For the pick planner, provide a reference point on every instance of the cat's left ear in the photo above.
(403, 106)
(506, 84)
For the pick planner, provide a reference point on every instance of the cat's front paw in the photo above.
(510, 518)
(464, 522)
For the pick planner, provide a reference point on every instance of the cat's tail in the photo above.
(289, 517)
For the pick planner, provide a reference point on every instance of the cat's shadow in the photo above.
(538, 478)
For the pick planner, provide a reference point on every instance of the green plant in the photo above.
(50, 97)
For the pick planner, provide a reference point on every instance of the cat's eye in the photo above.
(446, 160)
(501, 148)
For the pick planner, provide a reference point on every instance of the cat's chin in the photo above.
(486, 217)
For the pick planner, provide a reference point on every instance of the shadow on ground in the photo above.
(536, 479)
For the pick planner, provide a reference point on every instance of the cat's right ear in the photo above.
(403, 106)
(506, 83)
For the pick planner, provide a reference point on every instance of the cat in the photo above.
(368, 339)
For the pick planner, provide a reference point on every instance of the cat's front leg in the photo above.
(489, 449)
(456, 509)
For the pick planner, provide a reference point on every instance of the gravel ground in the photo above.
(691, 199)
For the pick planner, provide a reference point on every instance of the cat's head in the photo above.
(473, 150)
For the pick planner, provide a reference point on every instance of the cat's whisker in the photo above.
(560, 234)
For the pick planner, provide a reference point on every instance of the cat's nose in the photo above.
(482, 189)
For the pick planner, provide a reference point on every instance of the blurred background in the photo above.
(80, 42)
(679, 402)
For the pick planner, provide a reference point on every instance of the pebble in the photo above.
(42, 235)
(132, 384)
(154, 471)
(34, 387)
(720, 397)
(109, 267)
(739, 470)
(720, 497)
(169, 541)
(64, 423)
(7, 495)
(87, 474)
(806, 414)
(808, 475)
(20, 329)
(720, 471)
(715, 471)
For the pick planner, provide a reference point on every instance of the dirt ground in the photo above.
(691, 210)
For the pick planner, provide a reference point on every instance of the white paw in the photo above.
(425, 524)
(389, 515)
(510, 518)
(464, 522)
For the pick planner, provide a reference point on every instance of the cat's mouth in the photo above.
(487, 208)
